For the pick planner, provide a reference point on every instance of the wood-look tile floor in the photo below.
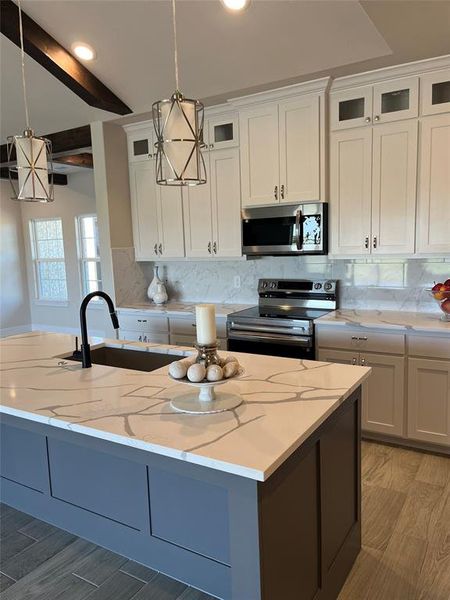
(405, 553)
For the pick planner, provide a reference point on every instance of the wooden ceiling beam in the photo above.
(58, 178)
(83, 159)
(62, 141)
(57, 60)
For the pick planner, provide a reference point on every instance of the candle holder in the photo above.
(207, 354)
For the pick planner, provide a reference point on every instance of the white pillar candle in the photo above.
(205, 316)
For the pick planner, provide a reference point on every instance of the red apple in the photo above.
(437, 291)
(446, 306)
(447, 282)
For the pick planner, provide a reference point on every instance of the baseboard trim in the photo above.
(406, 443)
(7, 331)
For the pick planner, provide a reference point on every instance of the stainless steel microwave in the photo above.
(285, 229)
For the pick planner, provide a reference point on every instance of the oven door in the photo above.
(272, 344)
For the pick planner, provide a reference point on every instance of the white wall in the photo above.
(14, 303)
(77, 198)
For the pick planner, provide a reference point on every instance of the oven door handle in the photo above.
(269, 330)
(295, 340)
(299, 228)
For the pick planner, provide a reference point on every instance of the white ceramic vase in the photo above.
(160, 296)
(151, 290)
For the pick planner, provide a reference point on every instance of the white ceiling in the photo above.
(221, 54)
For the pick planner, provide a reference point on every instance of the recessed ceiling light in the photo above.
(235, 5)
(83, 51)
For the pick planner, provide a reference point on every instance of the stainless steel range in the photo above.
(283, 322)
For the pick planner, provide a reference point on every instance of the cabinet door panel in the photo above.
(351, 156)
(140, 145)
(338, 356)
(435, 92)
(429, 400)
(351, 108)
(198, 217)
(394, 187)
(259, 155)
(144, 209)
(226, 202)
(396, 100)
(383, 394)
(434, 191)
(222, 132)
(170, 218)
(299, 149)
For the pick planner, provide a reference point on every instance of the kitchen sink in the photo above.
(138, 360)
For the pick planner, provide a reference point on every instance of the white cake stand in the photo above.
(206, 401)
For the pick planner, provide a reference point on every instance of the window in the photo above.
(47, 251)
(89, 254)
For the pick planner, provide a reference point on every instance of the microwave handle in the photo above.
(299, 228)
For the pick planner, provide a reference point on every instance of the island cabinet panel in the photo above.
(109, 486)
(23, 457)
(190, 513)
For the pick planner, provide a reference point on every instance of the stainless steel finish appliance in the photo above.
(283, 322)
(285, 229)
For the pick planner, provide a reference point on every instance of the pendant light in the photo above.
(178, 125)
(29, 179)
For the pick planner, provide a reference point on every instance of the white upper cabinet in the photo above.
(144, 200)
(299, 149)
(382, 102)
(258, 127)
(351, 108)
(394, 187)
(141, 144)
(433, 231)
(221, 131)
(170, 222)
(350, 191)
(435, 92)
(212, 212)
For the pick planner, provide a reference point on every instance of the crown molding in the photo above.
(281, 93)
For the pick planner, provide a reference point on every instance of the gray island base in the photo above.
(293, 536)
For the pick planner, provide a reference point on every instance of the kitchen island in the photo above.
(262, 502)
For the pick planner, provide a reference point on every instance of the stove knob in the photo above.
(264, 284)
(328, 286)
(317, 286)
(273, 285)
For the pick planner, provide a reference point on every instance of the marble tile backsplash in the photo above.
(384, 283)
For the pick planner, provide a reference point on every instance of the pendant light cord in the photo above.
(174, 20)
(22, 53)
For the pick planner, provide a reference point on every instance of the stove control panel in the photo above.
(306, 287)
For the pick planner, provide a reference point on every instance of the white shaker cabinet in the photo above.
(212, 212)
(351, 108)
(258, 127)
(429, 400)
(433, 231)
(394, 164)
(350, 191)
(435, 92)
(170, 222)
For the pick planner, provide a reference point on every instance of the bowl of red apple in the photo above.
(441, 293)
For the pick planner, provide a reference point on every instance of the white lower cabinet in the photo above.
(429, 400)
(139, 336)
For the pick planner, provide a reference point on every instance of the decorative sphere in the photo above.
(214, 373)
(196, 373)
(230, 369)
(178, 369)
(229, 359)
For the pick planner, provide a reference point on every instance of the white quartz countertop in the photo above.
(386, 319)
(181, 308)
(285, 400)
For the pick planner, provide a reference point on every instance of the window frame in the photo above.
(82, 260)
(36, 261)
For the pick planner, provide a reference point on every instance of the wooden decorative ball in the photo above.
(196, 373)
(178, 369)
(230, 369)
(214, 373)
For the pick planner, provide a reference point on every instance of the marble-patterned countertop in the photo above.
(386, 319)
(182, 308)
(285, 400)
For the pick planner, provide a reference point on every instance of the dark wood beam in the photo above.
(84, 159)
(58, 178)
(57, 60)
(62, 141)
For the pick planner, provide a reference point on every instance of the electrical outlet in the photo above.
(237, 281)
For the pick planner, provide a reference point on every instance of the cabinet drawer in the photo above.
(186, 326)
(429, 346)
(136, 336)
(144, 322)
(361, 340)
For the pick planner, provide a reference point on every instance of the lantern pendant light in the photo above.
(29, 179)
(178, 125)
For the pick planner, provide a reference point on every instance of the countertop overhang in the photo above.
(285, 400)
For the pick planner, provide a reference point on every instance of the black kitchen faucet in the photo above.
(85, 348)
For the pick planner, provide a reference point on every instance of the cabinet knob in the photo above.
(354, 360)
(282, 192)
(376, 118)
(363, 362)
(375, 242)
(211, 145)
(275, 192)
(367, 119)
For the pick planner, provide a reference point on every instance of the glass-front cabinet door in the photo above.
(140, 145)
(395, 100)
(435, 92)
(351, 108)
(221, 132)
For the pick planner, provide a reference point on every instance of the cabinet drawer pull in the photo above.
(366, 242)
(363, 339)
(155, 248)
(282, 192)
(275, 192)
(209, 247)
(160, 248)
(354, 337)
(375, 242)
(215, 247)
